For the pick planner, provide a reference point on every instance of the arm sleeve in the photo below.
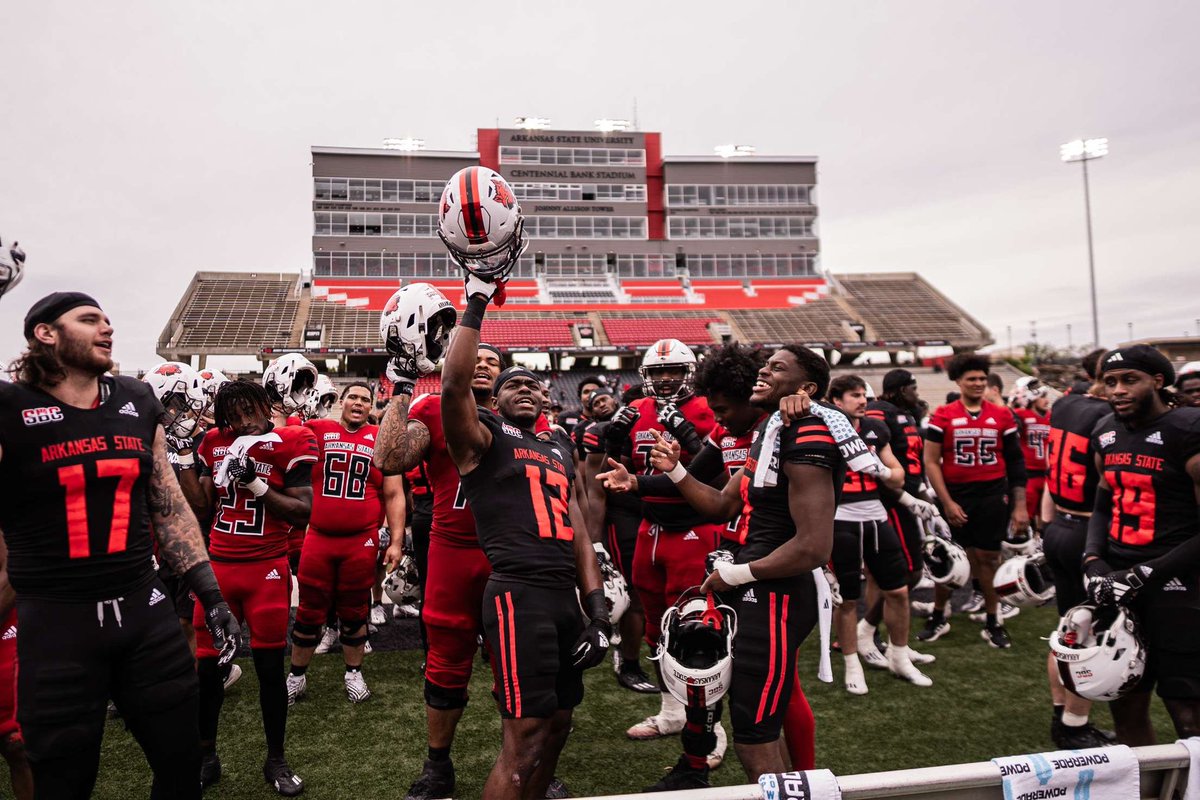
(1098, 524)
(935, 431)
(1014, 460)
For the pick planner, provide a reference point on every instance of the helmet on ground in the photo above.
(1099, 651)
(668, 355)
(417, 321)
(12, 266)
(402, 584)
(289, 380)
(696, 650)
(178, 387)
(480, 223)
(321, 399)
(1026, 390)
(210, 381)
(1025, 581)
(947, 562)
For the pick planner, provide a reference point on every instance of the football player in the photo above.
(975, 465)
(795, 472)
(1031, 407)
(291, 383)
(256, 480)
(1143, 545)
(1187, 385)
(537, 636)
(351, 499)
(416, 327)
(85, 485)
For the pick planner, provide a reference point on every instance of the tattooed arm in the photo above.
(180, 544)
(402, 442)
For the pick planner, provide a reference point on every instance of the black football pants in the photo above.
(73, 657)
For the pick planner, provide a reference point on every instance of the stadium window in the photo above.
(589, 192)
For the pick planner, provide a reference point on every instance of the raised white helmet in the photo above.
(417, 320)
(480, 223)
(321, 399)
(178, 387)
(210, 382)
(12, 266)
(696, 650)
(289, 380)
(1026, 390)
(401, 584)
(668, 354)
(1099, 651)
(947, 562)
(1025, 581)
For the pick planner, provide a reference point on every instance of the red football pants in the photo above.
(666, 564)
(259, 593)
(8, 676)
(1034, 487)
(452, 611)
(337, 572)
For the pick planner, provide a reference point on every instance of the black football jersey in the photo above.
(1071, 462)
(520, 496)
(1154, 502)
(73, 486)
(906, 441)
(804, 441)
(860, 487)
(592, 443)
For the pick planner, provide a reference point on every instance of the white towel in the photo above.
(1100, 773)
(237, 450)
(1192, 792)
(812, 784)
(825, 623)
(854, 450)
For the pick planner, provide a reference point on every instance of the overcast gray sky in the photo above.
(145, 140)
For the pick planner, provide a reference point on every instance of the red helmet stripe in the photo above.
(468, 192)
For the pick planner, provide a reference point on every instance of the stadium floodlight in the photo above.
(405, 143)
(734, 150)
(533, 123)
(612, 125)
(1083, 151)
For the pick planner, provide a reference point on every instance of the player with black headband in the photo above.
(86, 485)
(1066, 506)
(1143, 542)
(1187, 385)
(792, 479)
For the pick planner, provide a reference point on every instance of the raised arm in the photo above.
(467, 438)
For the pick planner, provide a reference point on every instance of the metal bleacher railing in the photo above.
(1163, 768)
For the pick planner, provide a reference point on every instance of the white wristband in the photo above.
(734, 574)
(185, 460)
(258, 487)
(677, 473)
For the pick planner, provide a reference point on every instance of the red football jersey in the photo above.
(242, 530)
(346, 485)
(452, 519)
(673, 513)
(972, 444)
(417, 481)
(1035, 435)
(734, 450)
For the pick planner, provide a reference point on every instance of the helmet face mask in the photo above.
(480, 223)
(1025, 581)
(289, 381)
(696, 649)
(669, 356)
(179, 389)
(12, 267)
(401, 584)
(1099, 651)
(947, 563)
(416, 322)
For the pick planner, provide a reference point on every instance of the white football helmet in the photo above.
(210, 382)
(947, 562)
(12, 267)
(1099, 651)
(480, 223)
(668, 354)
(1190, 368)
(417, 320)
(1025, 581)
(696, 650)
(322, 399)
(178, 387)
(870, 391)
(616, 592)
(290, 380)
(401, 584)
(1020, 543)
(1026, 390)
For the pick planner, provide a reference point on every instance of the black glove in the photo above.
(241, 470)
(680, 427)
(402, 370)
(177, 443)
(617, 432)
(592, 645)
(224, 630)
(1119, 587)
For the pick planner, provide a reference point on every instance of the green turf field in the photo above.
(983, 703)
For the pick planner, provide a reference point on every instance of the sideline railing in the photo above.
(1162, 769)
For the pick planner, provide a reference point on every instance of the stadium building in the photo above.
(627, 246)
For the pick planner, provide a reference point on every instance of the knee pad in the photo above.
(347, 636)
(305, 634)
(444, 699)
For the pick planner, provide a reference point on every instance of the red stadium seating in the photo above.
(535, 333)
(689, 330)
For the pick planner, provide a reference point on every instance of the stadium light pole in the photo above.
(1083, 151)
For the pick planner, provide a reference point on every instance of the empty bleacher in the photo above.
(343, 326)
(902, 306)
(534, 334)
(817, 321)
(645, 330)
(228, 311)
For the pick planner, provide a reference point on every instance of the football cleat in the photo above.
(682, 776)
(974, 604)
(717, 757)
(631, 676)
(933, 630)
(210, 770)
(868, 650)
(1006, 612)
(330, 641)
(856, 681)
(436, 782)
(556, 790)
(378, 614)
(356, 687)
(921, 608)
(920, 658)
(297, 686)
(655, 727)
(902, 667)
(1066, 737)
(996, 636)
(280, 776)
